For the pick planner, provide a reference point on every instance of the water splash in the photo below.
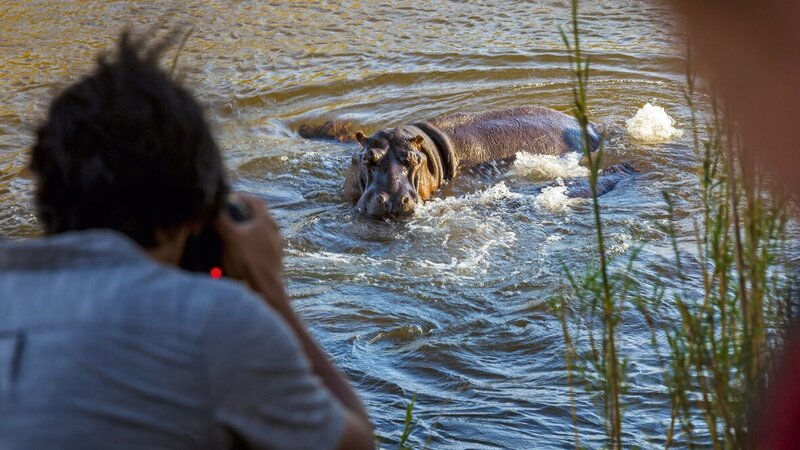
(652, 124)
(554, 198)
(472, 228)
(439, 207)
(548, 167)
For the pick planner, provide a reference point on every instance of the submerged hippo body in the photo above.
(606, 181)
(475, 139)
(398, 168)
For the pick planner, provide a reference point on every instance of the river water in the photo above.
(449, 305)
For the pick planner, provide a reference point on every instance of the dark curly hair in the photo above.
(126, 148)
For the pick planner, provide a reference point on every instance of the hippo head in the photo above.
(391, 174)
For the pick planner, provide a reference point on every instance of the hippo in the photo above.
(397, 169)
(334, 130)
(607, 180)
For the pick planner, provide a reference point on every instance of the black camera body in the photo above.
(203, 252)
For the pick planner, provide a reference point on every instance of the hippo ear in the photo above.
(417, 141)
(360, 137)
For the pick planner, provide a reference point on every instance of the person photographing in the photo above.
(105, 342)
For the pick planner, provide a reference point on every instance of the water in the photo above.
(451, 304)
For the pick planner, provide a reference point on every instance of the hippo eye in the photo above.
(373, 155)
(414, 158)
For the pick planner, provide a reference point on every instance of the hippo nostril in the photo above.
(382, 198)
(405, 200)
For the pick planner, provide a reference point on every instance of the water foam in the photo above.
(474, 261)
(652, 124)
(549, 166)
(618, 244)
(468, 226)
(554, 198)
(442, 206)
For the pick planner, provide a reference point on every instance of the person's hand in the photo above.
(252, 251)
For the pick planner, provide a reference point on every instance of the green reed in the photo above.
(603, 355)
(722, 349)
(716, 348)
(408, 424)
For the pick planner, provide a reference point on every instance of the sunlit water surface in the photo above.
(450, 305)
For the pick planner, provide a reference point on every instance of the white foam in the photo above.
(474, 260)
(619, 244)
(468, 226)
(652, 124)
(549, 166)
(440, 207)
(554, 198)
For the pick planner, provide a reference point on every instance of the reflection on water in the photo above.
(451, 303)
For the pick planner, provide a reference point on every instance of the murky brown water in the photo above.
(451, 304)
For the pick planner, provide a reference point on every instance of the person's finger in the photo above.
(271, 222)
(259, 208)
(226, 223)
(256, 205)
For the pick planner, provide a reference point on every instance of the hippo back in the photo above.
(495, 135)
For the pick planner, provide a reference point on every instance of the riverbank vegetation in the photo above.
(715, 336)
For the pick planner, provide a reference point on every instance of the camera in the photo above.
(203, 252)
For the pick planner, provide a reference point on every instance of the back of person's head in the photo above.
(126, 148)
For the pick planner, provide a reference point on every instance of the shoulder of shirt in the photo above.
(194, 301)
(128, 289)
